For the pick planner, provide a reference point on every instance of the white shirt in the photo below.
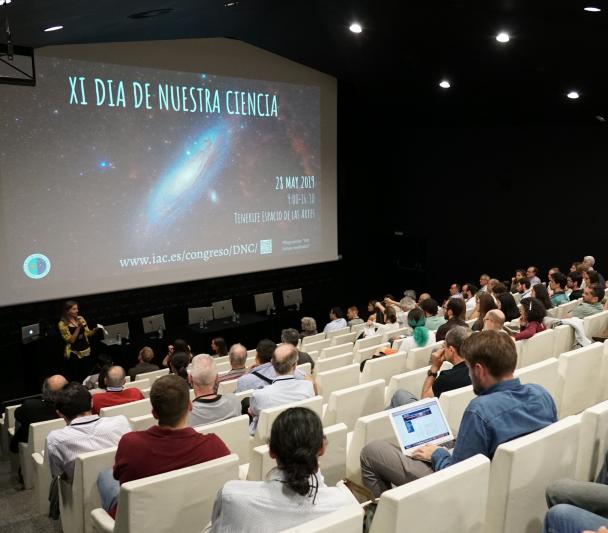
(270, 506)
(470, 304)
(285, 389)
(84, 434)
(338, 323)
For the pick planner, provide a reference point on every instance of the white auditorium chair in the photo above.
(384, 367)
(79, 498)
(367, 342)
(367, 429)
(226, 358)
(243, 394)
(596, 324)
(345, 338)
(7, 428)
(130, 410)
(332, 463)
(337, 332)
(42, 482)
(314, 355)
(316, 346)
(564, 309)
(411, 381)
(268, 416)
(521, 471)
(251, 353)
(452, 500)
(35, 443)
(419, 357)
(223, 367)
(593, 443)
(310, 339)
(347, 405)
(181, 500)
(357, 328)
(152, 376)
(141, 423)
(336, 379)
(368, 353)
(582, 379)
(563, 340)
(347, 519)
(234, 432)
(227, 387)
(339, 349)
(304, 368)
(536, 348)
(388, 335)
(331, 363)
(140, 384)
(545, 373)
(453, 403)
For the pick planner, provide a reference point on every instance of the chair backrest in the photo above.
(339, 378)
(387, 335)
(345, 338)
(419, 357)
(593, 443)
(595, 324)
(223, 367)
(411, 381)
(323, 365)
(367, 429)
(347, 519)
(347, 405)
(310, 339)
(141, 423)
(384, 367)
(337, 332)
(304, 368)
(130, 410)
(332, 463)
(39, 431)
(544, 373)
(79, 498)
(338, 349)
(537, 348)
(181, 500)
(563, 339)
(453, 403)
(462, 489)
(521, 471)
(581, 374)
(227, 387)
(368, 342)
(316, 346)
(564, 309)
(268, 416)
(368, 353)
(152, 376)
(235, 434)
(140, 384)
(357, 328)
(251, 353)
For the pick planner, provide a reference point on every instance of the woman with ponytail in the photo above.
(421, 335)
(293, 493)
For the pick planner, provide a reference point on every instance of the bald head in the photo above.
(237, 356)
(285, 359)
(204, 372)
(51, 386)
(495, 320)
(115, 377)
(424, 296)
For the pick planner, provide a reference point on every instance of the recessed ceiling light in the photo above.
(573, 95)
(355, 27)
(592, 9)
(600, 118)
(503, 37)
(54, 28)
(231, 4)
(2, 2)
(444, 84)
(151, 13)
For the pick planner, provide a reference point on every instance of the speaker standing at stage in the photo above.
(75, 333)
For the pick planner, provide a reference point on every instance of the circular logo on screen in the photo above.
(36, 266)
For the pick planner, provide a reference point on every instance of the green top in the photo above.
(586, 309)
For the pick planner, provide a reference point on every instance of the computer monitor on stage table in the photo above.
(222, 309)
(264, 301)
(198, 314)
(292, 297)
(116, 332)
(30, 333)
(153, 323)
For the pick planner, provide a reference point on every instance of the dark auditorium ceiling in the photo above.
(405, 50)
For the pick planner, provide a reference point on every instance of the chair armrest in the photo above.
(102, 521)
(38, 459)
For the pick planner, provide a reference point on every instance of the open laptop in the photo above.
(116, 332)
(222, 309)
(420, 423)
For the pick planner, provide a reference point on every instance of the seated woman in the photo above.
(421, 335)
(219, 347)
(508, 306)
(293, 493)
(485, 303)
(308, 326)
(532, 314)
(179, 346)
(540, 292)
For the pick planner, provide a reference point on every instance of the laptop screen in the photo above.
(419, 423)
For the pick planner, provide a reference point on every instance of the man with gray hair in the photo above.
(284, 388)
(291, 336)
(208, 406)
(589, 264)
(115, 394)
(494, 320)
(238, 358)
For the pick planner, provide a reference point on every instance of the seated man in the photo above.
(208, 406)
(237, 356)
(115, 393)
(574, 281)
(591, 304)
(430, 307)
(503, 410)
(144, 363)
(291, 336)
(170, 445)
(524, 288)
(468, 292)
(352, 313)
(284, 388)
(336, 316)
(36, 410)
(557, 283)
(455, 311)
(436, 383)
(85, 432)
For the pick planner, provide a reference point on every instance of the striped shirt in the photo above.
(83, 434)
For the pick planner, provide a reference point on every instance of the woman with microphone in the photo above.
(75, 333)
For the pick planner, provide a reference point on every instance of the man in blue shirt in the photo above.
(503, 410)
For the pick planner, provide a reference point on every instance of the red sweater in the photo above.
(108, 399)
(530, 330)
